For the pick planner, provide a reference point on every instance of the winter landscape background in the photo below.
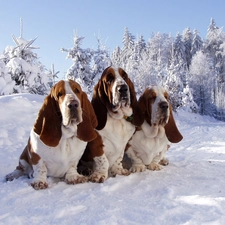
(190, 190)
(190, 67)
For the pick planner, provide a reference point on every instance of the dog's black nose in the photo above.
(73, 104)
(163, 105)
(123, 88)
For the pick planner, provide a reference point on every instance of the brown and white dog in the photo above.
(150, 142)
(64, 125)
(115, 105)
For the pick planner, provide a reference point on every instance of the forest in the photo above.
(191, 68)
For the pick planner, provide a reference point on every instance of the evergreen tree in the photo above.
(179, 50)
(25, 69)
(174, 85)
(6, 83)
(187, 40)
(128, 48)
(116, 57)
(214, 40)
(80, 71)
(197, 43)
(180, 57)
(101, 60)
(202, 81)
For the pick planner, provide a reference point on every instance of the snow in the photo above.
(190, 190)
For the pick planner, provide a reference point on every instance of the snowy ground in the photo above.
(190, 190)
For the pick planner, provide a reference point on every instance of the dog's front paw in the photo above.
(154, 166)
(164, 162)
(75, 179)
(38, 185)
(98, 177)
(137, 168)
(120, 171)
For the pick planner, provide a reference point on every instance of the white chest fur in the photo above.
(60, 158)
(149, 142)
(115, 135)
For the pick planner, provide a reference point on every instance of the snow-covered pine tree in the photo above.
(127, 49)
(80, 71)
(24, 67)
(6, 83)
(197, 43)
(202, 82)
(174, 84)
(116, 57)
(101, 60)
(180, 57)
(135, 64)
(214, 48)
(187, 40)
(53, 76)
(214, 40)
(220, 90)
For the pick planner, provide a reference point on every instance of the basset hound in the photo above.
(148, 145)
(115, 105)
(64, 125)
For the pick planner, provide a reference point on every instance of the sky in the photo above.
(55, 22)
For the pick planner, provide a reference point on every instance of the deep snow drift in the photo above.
(190, 190)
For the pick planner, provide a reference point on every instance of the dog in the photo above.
(64, 125)
(115, 105)
(148, 145)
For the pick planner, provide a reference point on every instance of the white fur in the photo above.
(70, 96)
(115, 136)
(118, 81)
(56, 161)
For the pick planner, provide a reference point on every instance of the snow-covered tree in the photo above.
(187, 40)
(179, 50)
(213, 47)
(6, 83)
(128, 48)
(188, 102)
(180, 57)
(197, 43)
(80, 70)
(101, 60)
(202, 82)
(174, 85)
(25, 68)
(116, 57)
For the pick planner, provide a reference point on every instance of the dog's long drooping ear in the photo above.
(144, 103)
(86, 129)
(138, 117)
(172, 132)
(100, 109)
(48, 122)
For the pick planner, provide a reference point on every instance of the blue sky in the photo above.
(55, 21)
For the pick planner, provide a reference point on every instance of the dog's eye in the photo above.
(124, 76)
(152, 97)
(76, 91)
(109, 79)
(59, 94)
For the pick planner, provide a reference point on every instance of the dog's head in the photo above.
(66, 105)
(114, 93)
(154, 104)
